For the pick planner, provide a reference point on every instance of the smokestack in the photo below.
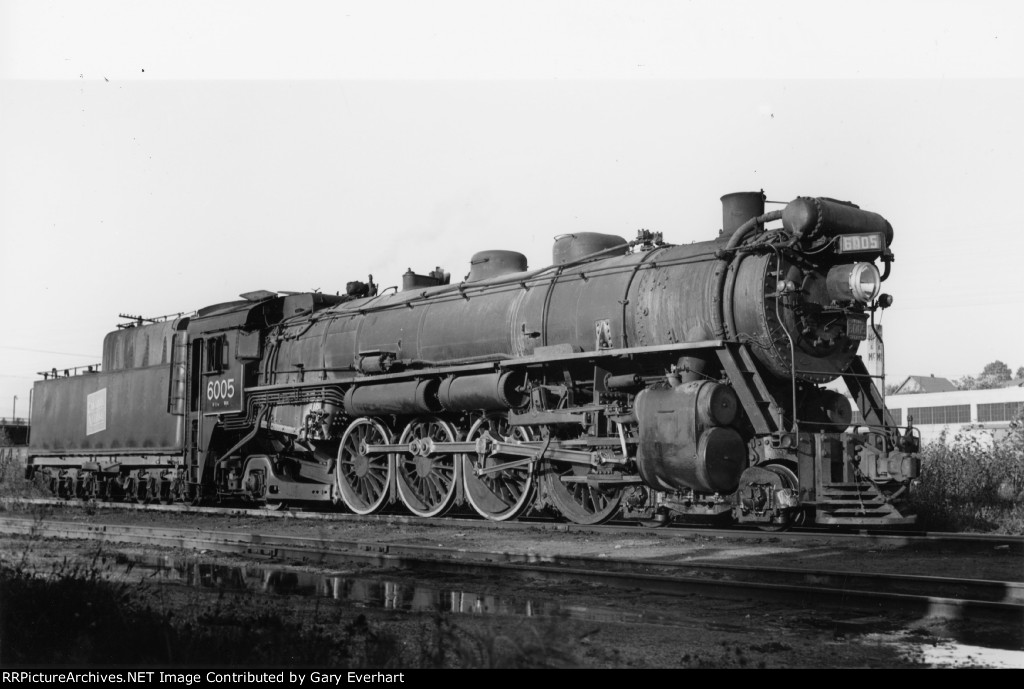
(738, 208)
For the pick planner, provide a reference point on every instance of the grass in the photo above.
(12, 472)
(973, 483)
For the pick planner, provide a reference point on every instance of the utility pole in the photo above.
(14, 412)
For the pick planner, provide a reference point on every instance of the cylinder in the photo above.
(404, 398)
(738, 208)
(680, 447)
(623, 382)
(486, 392)
(717, 404)
(721, 458)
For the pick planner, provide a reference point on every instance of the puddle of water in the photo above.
(389, 594)
(945, 653)
(379, 592)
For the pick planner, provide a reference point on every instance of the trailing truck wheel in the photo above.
(499, 494)
(427, 482)
(364, 479)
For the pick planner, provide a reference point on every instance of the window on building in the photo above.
(999, 411)
(924, 416)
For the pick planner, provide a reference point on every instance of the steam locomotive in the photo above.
(629, 380)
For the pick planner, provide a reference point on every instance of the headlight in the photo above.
(854, 282)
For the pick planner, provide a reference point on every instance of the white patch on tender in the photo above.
(96, 412)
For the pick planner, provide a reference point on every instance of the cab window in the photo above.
(216, 354)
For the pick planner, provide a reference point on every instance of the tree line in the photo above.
(994, 375)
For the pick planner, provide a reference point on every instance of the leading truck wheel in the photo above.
(790, 517)
(427, 481)
(499, 494)
(364, 479)
(577, 499)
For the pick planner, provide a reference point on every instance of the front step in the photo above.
(856, 503)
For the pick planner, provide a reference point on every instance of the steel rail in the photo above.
(924, 595)
(890, 538)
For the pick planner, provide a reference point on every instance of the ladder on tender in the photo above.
(177, 394)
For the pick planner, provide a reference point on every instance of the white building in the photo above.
(985, 412)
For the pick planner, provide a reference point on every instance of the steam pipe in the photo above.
(721, 268)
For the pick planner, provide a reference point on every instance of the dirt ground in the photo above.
(489, 620)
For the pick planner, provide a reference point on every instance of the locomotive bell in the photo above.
(738, 208)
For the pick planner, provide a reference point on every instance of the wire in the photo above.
(45, 351)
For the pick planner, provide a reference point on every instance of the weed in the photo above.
(973, 483)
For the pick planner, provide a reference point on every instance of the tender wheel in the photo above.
(179, 490)
(579, 501)
(66, 487)
(131, 489)
(135, 490)
(90, 487)
(363, 480)
(165, 492)
(113, 490)
(504, 494)
(427, 482)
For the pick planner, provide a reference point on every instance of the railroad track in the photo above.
(887, 538)
(924, 596)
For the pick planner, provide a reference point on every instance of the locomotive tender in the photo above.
(629, 379)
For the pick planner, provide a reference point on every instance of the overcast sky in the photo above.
(159, 157)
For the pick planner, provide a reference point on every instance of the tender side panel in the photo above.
(117, 412)
(140, 347)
